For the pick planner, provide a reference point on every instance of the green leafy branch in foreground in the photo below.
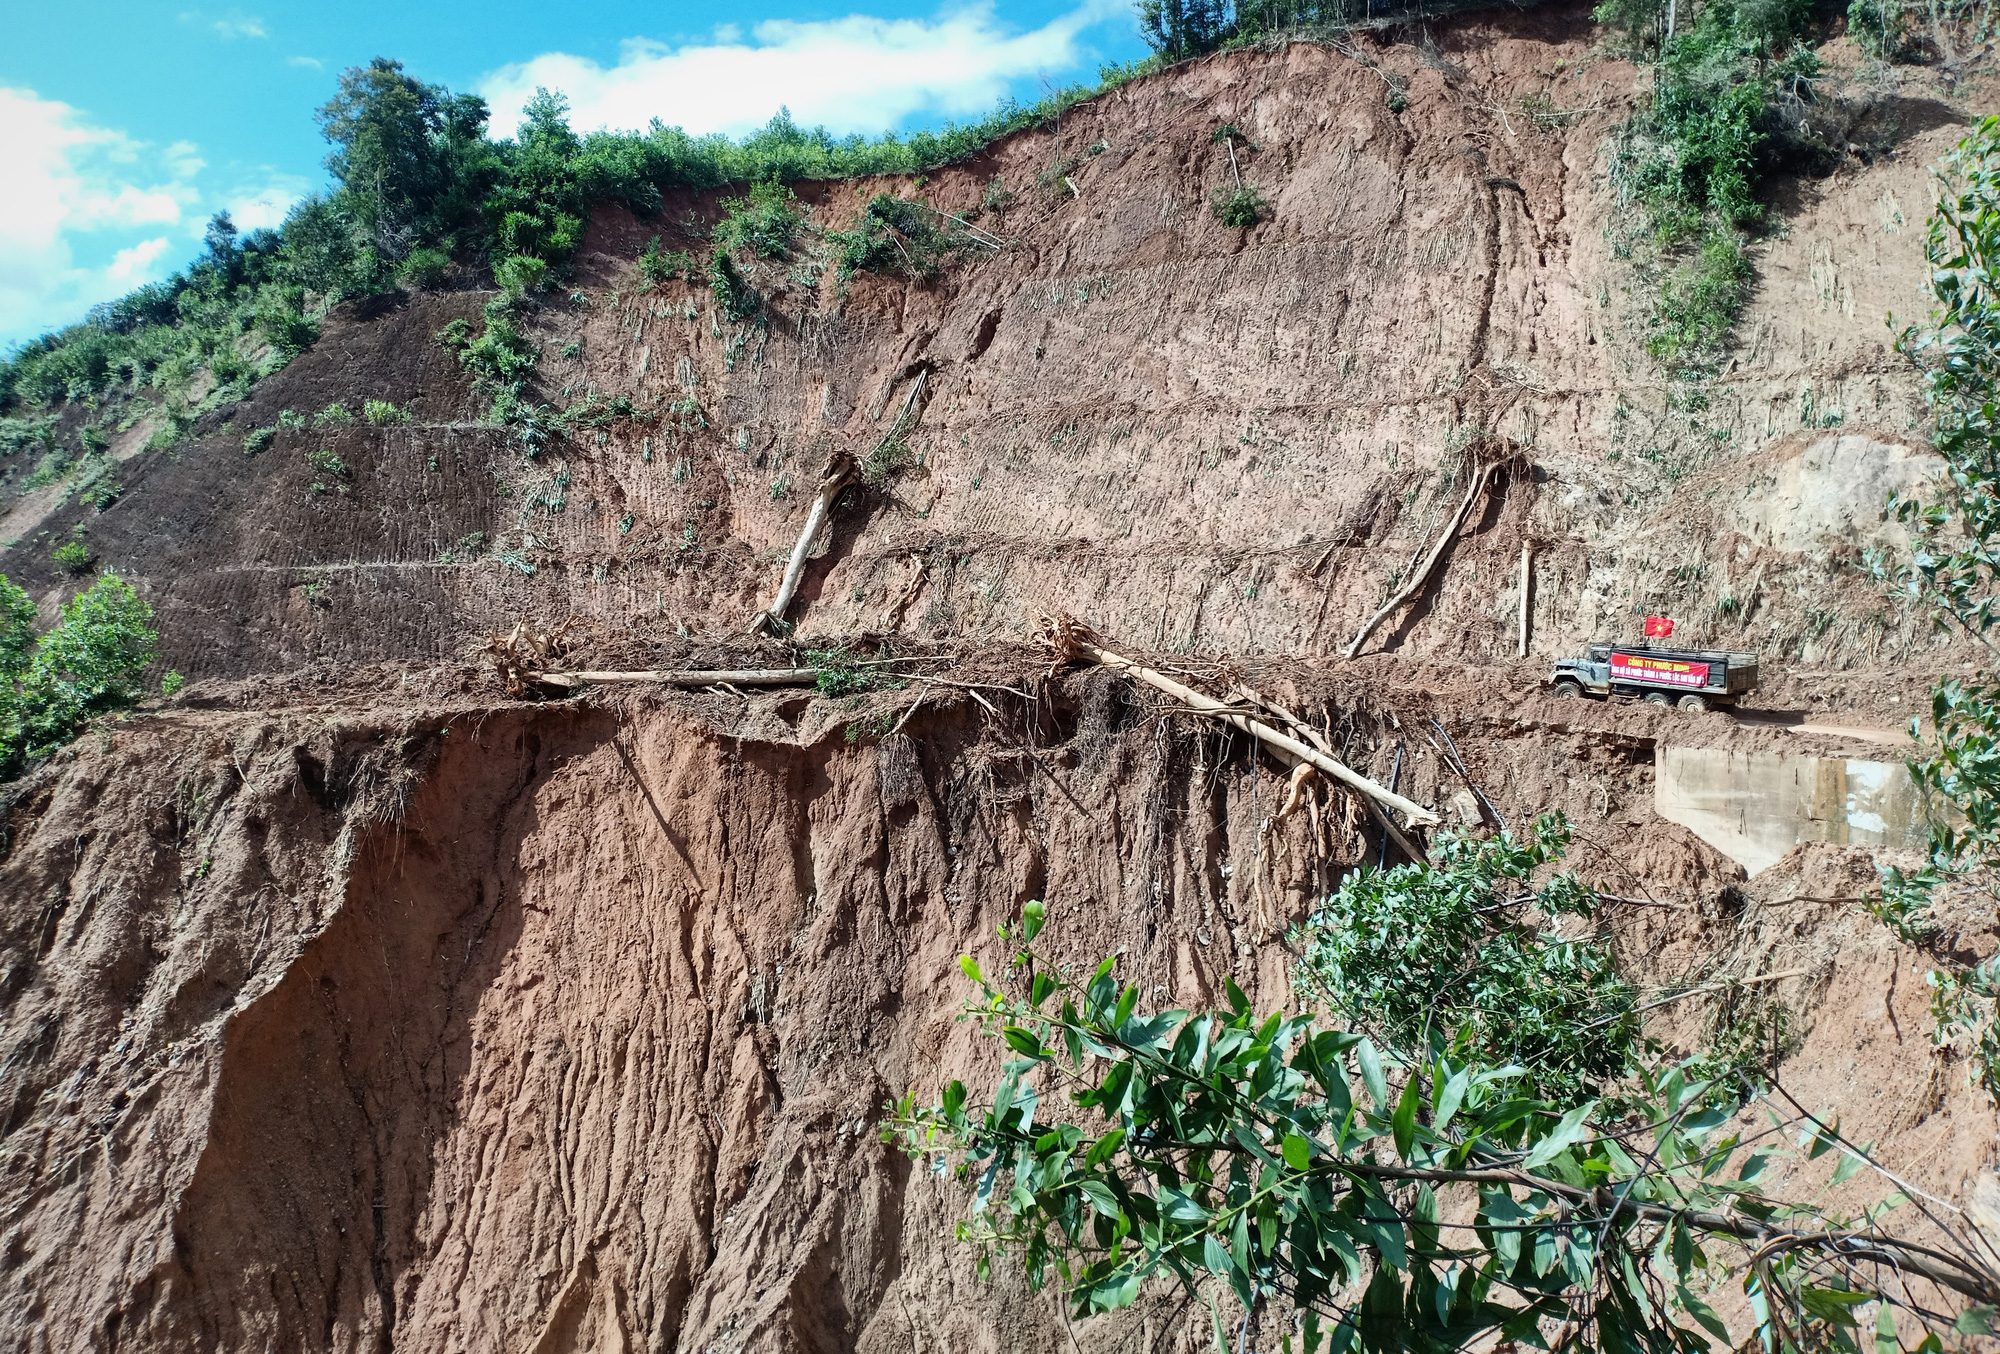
(1954, 572)
(1436, 1204)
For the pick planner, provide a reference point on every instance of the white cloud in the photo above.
(90, 212)
(311, 62)
(854, 74)
(132, 267)
(254, 208)
(235, 24)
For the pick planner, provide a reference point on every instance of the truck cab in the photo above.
(1691, 679)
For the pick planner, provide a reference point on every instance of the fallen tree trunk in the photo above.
(838, 472)
(1299, 751)
(795, 568)
(1416, 583)
(688, 677)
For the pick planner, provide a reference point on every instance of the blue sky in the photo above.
(124, 126)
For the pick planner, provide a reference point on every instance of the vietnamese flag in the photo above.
(1659, 627)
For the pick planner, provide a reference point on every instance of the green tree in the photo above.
(90, 663)
(1954, 572)
(1440, 956)
(1359, 1197)
(411, 157)
(1178, 29)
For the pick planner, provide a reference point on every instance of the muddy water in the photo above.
(1756, 806)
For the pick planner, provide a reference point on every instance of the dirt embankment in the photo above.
(349, 1005)
(565, 1028)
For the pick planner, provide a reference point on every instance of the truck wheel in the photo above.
(1568, 690)
(1693, 703)
(1658, 698)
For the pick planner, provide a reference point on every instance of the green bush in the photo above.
(1341, 1193)
(656, 267)
(89, 664)
(171, 684)
(98, 487)
(165, 333)
(420, 180)
(1953, 573)
(74, 557)
(1239, 207)
(733, 295)
(1692, 162)
(279, 315)
(333, 416)
(257, 439)
(426, 268)
(764, 223)
(500, 358)
(27, 435)
(1699, 299)
(381, 413)
(900, 236)
(519, 274)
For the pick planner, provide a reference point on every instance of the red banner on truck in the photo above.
(1639, 667)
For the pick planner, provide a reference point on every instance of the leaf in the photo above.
(1246, 1135)
(1371, 1072)
(1705, 1314)
(1298, 1152)
(1822, 1135)
(1833, 1305)
(970, 968)
(1851, 1164)
(1023, 1042)
(1127, 1000)
(1565, 1133)
(1237, 1001)
(1151, 1033)
(1178, 1207)
(1103, 1149)
(1450, 1098)
(1032, 918)
(1976, 1320)
(1003, 1098)
(1213, 1256)
(1404, 1124)
(1885, 1330)
(954, 1098)
(1546, 1253)
(1100, 1196)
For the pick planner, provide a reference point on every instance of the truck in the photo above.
(1692, 679)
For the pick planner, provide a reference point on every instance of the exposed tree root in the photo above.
(1068, 637)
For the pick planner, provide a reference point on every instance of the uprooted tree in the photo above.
(1359, 1194)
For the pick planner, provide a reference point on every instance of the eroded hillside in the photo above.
(1194, 437)
(350, 1003)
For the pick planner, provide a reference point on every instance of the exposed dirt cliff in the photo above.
(349, 1004)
